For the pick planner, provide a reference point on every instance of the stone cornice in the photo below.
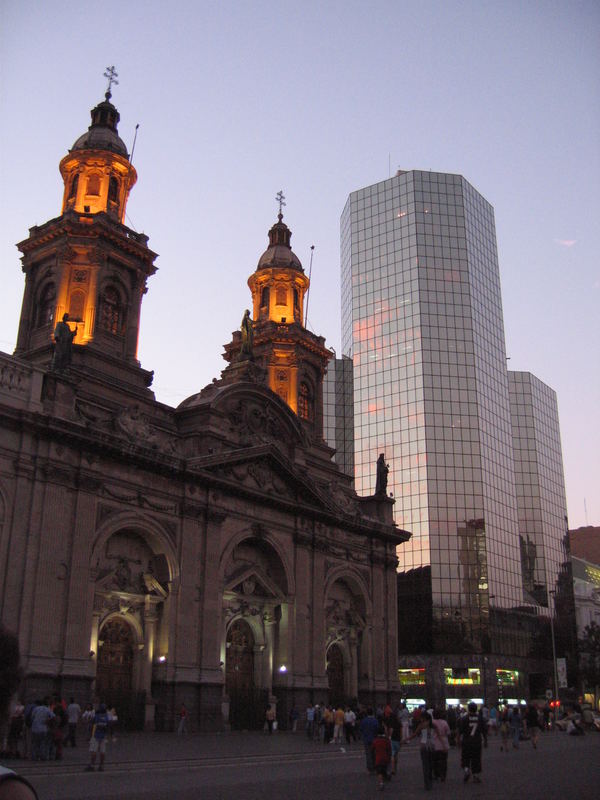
(90, 226)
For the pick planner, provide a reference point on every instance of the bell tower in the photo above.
(293, 358)
(86, 262)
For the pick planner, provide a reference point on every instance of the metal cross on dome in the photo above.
(111, 73)
(280, 197)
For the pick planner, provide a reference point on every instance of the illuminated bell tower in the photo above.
(86, 262)
(294, 359)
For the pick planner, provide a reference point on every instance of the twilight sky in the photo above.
(236, 100)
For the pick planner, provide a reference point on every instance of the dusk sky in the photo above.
(237, 100)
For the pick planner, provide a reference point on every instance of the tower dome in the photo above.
(279, 253)
(97, 172)
(102, 133)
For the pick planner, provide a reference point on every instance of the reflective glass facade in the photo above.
(539, 482)
(422, 322)
(338, 412)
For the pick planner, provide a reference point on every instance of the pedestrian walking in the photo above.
(113, 719)
(404, 715)
(441, 745)
(424, 731)
(504, 730)
(98, 739)
(41, 719)
(327, 720)
(318, 722)
(310, 721)
(73, 714)
(369, 728)
(270, 719)
(183, 715)
(395, 733)
(11, 784)
(532, 720)
(471, 739)
(88, 718)
(294, 715)
(382, 754)
(349, 725)
(514, 722)
(484, 713)
(338, 726)
(57, 728)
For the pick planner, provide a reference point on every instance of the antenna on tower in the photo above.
(312, 250)
(133, 145)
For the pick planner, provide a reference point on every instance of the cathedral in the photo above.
(211, 554)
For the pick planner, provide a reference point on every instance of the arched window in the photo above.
(113, 190)
(73, 189)
(46, 306)
(265, 298)
(76, 306)
(281, 296)
(112, 312)
(305, 402)
(93, 185)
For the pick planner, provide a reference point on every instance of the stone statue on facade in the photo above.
(382, 476)
(63, 345)
(247, 348)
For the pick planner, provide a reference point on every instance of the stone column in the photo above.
(269, 655)
(80, 639)
(150, 620)
(211, 629)
(353, 677)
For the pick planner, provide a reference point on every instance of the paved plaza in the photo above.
(248, 766)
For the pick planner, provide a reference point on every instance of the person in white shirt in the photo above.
(350, 725)
(73, 714)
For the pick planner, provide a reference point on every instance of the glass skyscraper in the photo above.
(422, 321)
(338, 410)
(540, 484)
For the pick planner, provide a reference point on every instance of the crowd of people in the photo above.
(43, 729)
(384, 730)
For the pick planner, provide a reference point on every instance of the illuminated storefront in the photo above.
(462, 677)
(411, 677)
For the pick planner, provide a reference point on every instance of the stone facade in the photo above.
(211, 554)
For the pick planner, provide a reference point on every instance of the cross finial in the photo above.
(280, 197)
(111, 73)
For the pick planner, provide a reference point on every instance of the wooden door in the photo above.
(335, 675)
(244, 701)
(115, 661)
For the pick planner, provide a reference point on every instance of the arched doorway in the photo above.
(245, 702)
(115, 660)
(335, 675)
(114, 674)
